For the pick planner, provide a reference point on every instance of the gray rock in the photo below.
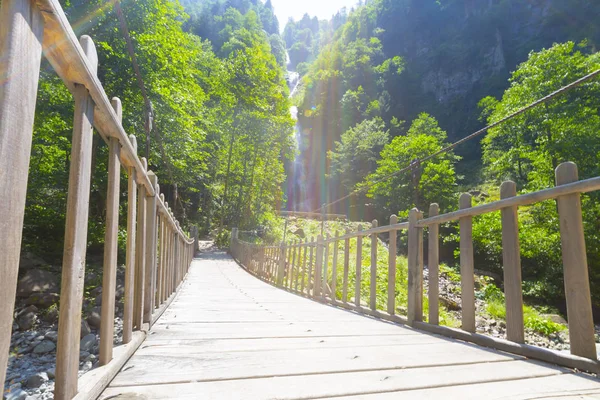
(51, 335)
(98, 300)
(450, 304)
(43, 300)
(45, 346)
(87, 366)
(37, 380)
(83, 355)
(51, 373)
(85, 329)
(119, 292)
(88, 342)
(29, 260)
(96, 291)
(18, 394)
(94, 318)
(51, 316)
(27, 318)
(37, 281)
(15, 327)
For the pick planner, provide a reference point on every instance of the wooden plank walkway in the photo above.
(228, 335)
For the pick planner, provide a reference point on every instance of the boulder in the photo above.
(51, 315)
(18, 394)
(37, 380)
(51, 335)
(94, 318)
(27, 318)
(51, 373)
(450, 304)
(43, 300)
(96, 291)
(555, 318)
(46, 346)
(37, 281)
(88, 342)
(29, 261)
(85, 329)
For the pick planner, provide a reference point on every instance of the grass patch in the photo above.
(496, 308)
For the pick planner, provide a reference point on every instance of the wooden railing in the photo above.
(303, 268)
(158, 251)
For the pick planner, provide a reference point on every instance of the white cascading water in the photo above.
(296, 183)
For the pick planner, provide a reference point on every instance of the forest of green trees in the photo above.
(383, 84)
(222, 126)
(398, 80)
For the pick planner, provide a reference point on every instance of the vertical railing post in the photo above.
(334, 268)
(346, 268)
(304, 260)
(21, 29)
(109, 274)
(433, 266)
(140, 255)
(150, 253)
(511, 259)
(577, 283)
(415, 267)
(373, 283)
(130, 250)
(161, 253)
(325, 269)
(75, 242)
(318, 267)
(358, 283)
(281, 265)
(310, 278)
(467, 272)
(393, 249)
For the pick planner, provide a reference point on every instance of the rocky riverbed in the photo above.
(32, 361)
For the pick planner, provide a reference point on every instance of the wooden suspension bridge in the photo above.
(267, 322)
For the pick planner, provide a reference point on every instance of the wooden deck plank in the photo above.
(344, 384)
(230, 335)
(566, 386)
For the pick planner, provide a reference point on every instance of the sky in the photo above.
(323, 9)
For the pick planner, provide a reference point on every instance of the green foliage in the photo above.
(221, 130)
(533, 320)
(356, 155)
(223, 239)
(432, 181)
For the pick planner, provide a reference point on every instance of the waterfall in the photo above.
(297, 178)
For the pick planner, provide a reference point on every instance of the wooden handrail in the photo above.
(579, 312)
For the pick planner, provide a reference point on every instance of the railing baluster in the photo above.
(75, 243)
(140, 256)
(303, 276)
(150, 250)
(373, 285)
(325, 273)
(433, 261)
(415, 267)
(109, 274)
(392, 249)
(511, 259)
(318, 267)
(346, 268)
(21, 32)
(310, 287)
(358, 282)
(281, 266)
(334, 269)
(130, 251)
(577, 283)
(467, 273)
(293, 264)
